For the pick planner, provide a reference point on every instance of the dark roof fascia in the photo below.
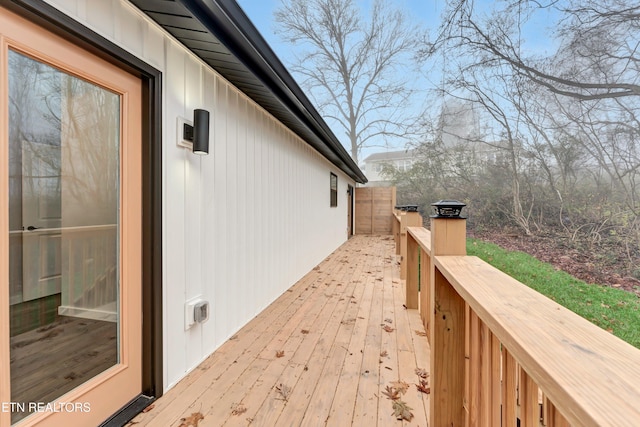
(229, 24)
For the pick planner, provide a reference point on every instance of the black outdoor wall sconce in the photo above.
(195, 136)
(448, 209)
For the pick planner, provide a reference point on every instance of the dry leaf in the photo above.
(192, 420)
(391, 393)
(421, 333)
(148, 408)
(422, 373)
(401, 386)
(423, 387)
(384, 353)
(387, 320)
(401, 410)
(280, 353)
(284, 390)
(239, 409)
(387, 328)
(304, 331)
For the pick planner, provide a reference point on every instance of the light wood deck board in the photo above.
(334, 368)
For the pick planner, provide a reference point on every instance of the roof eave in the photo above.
(226, 21)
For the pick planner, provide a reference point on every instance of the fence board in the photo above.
(374, 210)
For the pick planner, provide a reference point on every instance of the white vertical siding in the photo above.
(241, 225)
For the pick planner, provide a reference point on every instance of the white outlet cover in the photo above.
(189, 309)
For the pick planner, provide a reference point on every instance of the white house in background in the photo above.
(374, 164)
(125, 257)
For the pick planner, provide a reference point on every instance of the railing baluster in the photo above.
(529, 407)
(509, 385)
(484, 381)
(555, 418)
(495, 394)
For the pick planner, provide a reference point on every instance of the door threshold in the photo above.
(128, 412)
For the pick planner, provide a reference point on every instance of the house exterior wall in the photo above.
(241, 225)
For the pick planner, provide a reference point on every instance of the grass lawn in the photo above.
(614, 310)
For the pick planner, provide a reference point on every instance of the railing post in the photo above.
(407, 219)
(413, 267)
(425, 290)
(446, 327)
(396, 229)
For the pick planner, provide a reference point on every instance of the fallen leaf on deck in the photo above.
(304, 331)
(148, 408)
(388, 320)
(192, 420)
(391, 393)
(401, 386)
(384, 353)
(280, 353)
(401, 410)
(422, 373)
(387, 328)
(284, 390)
(239, 409)
(421, 333)
(423, 387)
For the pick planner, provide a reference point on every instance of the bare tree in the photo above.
(355, 68)
(597, 58)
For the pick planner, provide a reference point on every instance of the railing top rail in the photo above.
(590, 375)
(422, 236)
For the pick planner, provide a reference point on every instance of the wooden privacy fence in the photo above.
(374, 207)
(501, 353)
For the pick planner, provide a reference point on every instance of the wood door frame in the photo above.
(51, 19)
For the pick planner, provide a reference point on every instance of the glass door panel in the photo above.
(64, 145)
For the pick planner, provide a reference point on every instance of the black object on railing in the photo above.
(407, 208)
(448, 209)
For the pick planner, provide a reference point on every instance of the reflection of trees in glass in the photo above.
(33, 133)
(91, 132)
(69, 129)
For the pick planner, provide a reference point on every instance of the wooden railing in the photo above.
(501, 353)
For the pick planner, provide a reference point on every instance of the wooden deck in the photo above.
(321, 354)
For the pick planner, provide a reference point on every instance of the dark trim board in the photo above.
(53, 20)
